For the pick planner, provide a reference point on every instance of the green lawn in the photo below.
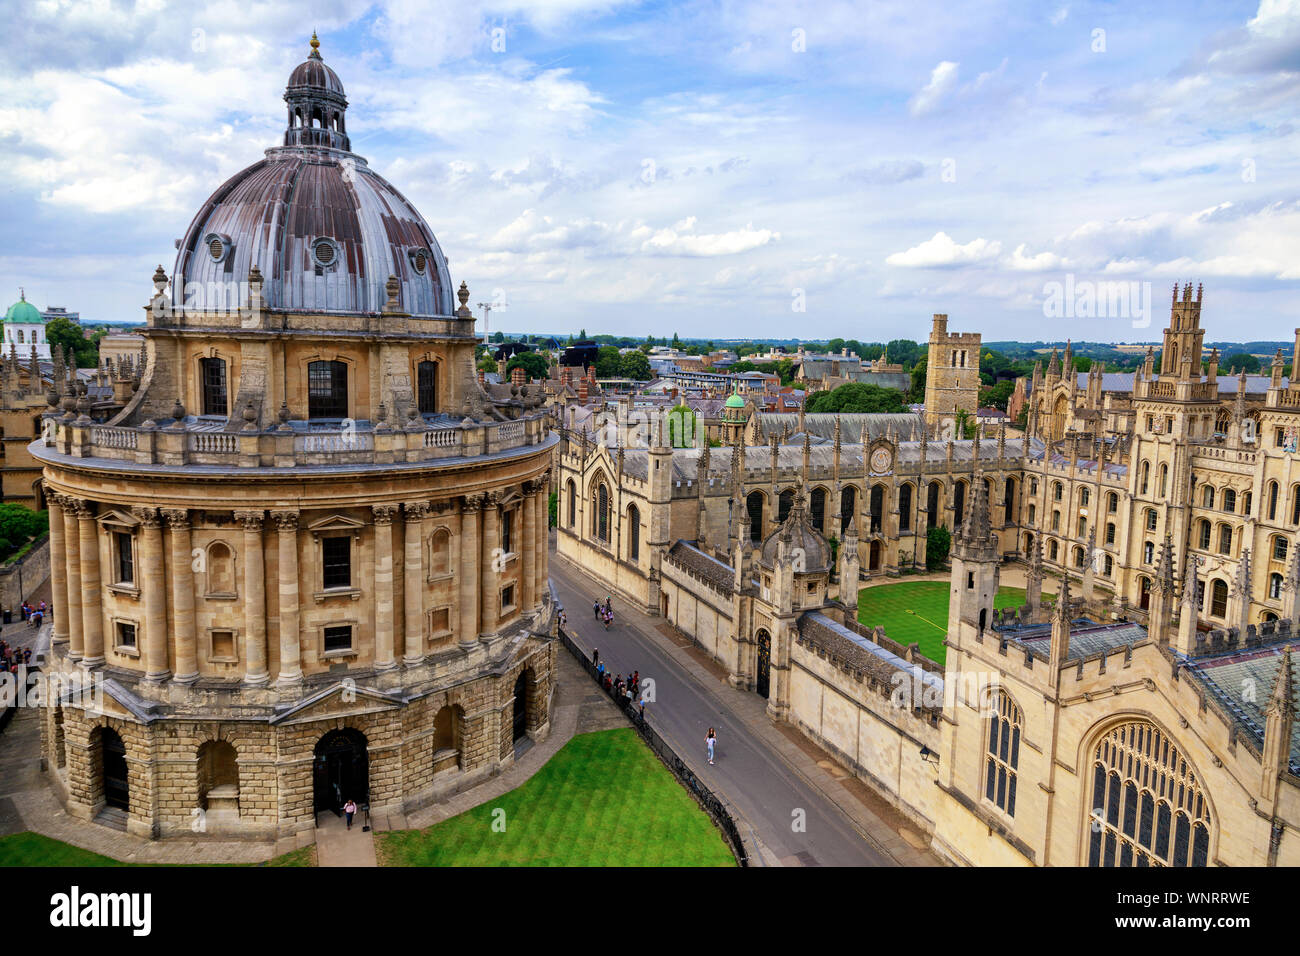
(33, 849)
(917, 611)
(603, 800)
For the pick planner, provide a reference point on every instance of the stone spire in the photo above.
(1188, 608)
(1034, 579)
(1162, 594)
(1291, 587)
(1279, 719)
(1059, 649)
(975, 537)
(1241, 591)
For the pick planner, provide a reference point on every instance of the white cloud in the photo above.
(941, 251)
(1041, 262)
(943, 78)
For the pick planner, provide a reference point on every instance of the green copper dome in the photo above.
(735, 401)
(24, 312)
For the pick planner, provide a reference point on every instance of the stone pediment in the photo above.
(336, 523)
(338, 700)
(118, 518)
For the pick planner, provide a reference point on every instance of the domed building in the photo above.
(306, 562)
(24, 330)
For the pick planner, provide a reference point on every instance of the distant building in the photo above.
(24, 329)
(58, 312)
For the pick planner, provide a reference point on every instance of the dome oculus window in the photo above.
(218, 246)
(325, 252)
(420, 260)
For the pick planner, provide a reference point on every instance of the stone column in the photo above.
(384, 611)
(92, 613)
(154, 594)
(466, 567)
(490, 565)
(543, 536)
(187, 660)
(72, 570)
(527, 546)
(58, 571)
(255, 650)
(414, 572)
(290, 647)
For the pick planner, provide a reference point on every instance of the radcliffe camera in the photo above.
(663, 437)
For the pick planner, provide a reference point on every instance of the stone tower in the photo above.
(975, 562)
(952, 375)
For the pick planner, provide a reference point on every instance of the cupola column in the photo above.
(413, 568)
(290, 648)
(58, 570)
(72, 566)
(465, 568)
(528, 545)
(154, 594)
(255, 670)
(187, 663)
(384, 612)
(92, 614)
(490, 561)
(542, 564)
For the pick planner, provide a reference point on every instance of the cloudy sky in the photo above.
(810, 169)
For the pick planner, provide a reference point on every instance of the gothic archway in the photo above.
(763, 672)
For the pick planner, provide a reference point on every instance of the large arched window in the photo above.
(783, 505)
(1164, 479)
(573, 503)
(633, 533)
(1272, 501)
(1204, 534)
(1148, 805)
(327, 390)
(848, 506)
(1219, 598)
(1146, 476)
(1295, 504)
(1003, 754)
(1275, 586)
(905, 508)
(1009, 500)
(600, 515)
(426, 376)
(932, 504)
(818, 509)
(958, 504)
(876, 507)
(754, 507)
(1279, 548)
(213, 372)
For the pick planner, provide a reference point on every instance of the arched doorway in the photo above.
(341, 771)
(873, 557)
(117, 789)
(763, 673)
(1144, 591)
(520, 728)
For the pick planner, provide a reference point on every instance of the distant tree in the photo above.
(918, 381)
(487, 364)
(534, 364)
(938, 542)
(19, 525)
(68, 334)
(635, 365)
(607, 362)
(553, 507)
(1237, 360)
(677, 342)
(998, 395)
(857, 397)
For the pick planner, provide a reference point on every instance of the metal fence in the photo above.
(712, 804)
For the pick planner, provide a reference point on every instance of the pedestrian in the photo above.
(595, 655)
(350, 809)
(563, 620)
(643, 710)
(595, 609)
(609, 603)
(600, 672)
(711, 741)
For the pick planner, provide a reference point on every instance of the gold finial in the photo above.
(315, 46)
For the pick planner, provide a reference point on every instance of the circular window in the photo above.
(420, 260)
(218, 246)
(325, 252)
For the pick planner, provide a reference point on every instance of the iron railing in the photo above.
(714, 806)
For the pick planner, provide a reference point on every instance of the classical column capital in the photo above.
(250, 520)
(416, 510)
(383, 514)
(285, 521)
(474, 502)
(78, 507)
(177, 519)
(149, 517)
(492, 499)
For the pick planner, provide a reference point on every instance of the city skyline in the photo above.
(571, 175)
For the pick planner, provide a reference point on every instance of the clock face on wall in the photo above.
(880, 460)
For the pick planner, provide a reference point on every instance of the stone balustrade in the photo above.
(197, 443)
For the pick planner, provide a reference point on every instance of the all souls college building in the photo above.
(1147, 719)
(307, 559)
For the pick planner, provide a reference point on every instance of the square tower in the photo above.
(952, 373)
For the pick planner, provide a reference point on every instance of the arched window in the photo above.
(1085, 496)
(848, 506)
(213, 373)
(877, 508)
(1146, 475)
(1245, 503)
(1229, 500)
(1108, 565)
(1110, 532)
(1083, 527)
(426, 376)
(1052, 551)
(1279, 548)
(959, 504)
(1225, 539)
(1295, 504)
(1003, 754)
(1204, 528)
(1219, 598)
(905, 508)
(1164, 479)
(1033, 510)
(1079, 558)
(1275, 586)
(1056, 521)
(1153, 519)
(783, 505)
(1112, 503)
(221, 569)
(327, 390)
(818, 509)
(1148, 552)
(1009, 500)
(1056, 491)
(573, 502)
(633, 533)
(754, 507)
(1272, 501)
(932, 497)
(600, 517)
(440, 552)
(1149, 808)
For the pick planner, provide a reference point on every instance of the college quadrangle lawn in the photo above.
(917, 611)
(603, 800)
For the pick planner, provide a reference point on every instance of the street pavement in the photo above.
(794, 820)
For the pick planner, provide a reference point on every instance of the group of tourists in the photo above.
(12, 658)
(33, 614)
(604, 612)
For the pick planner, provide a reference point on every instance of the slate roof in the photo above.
(906, 425)
(1087, 637)
(710, 569)
(862, 654)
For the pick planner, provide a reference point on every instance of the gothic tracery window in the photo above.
(1148, 808)
(1003, 754)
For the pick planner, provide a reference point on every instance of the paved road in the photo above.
(756, 780)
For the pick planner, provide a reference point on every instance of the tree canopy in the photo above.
(76, 346)
(857, 397)
(534, 364)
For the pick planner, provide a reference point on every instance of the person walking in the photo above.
(710, 742)
(350, 809)
(595, 610)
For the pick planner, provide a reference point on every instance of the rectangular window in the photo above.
(125, 634)
(214, 387)
(441, 621)
(507, 523)
(337, 559)
(125, 558)
(223, 646)
(508, 597)
(338, 638)
(327, 390)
